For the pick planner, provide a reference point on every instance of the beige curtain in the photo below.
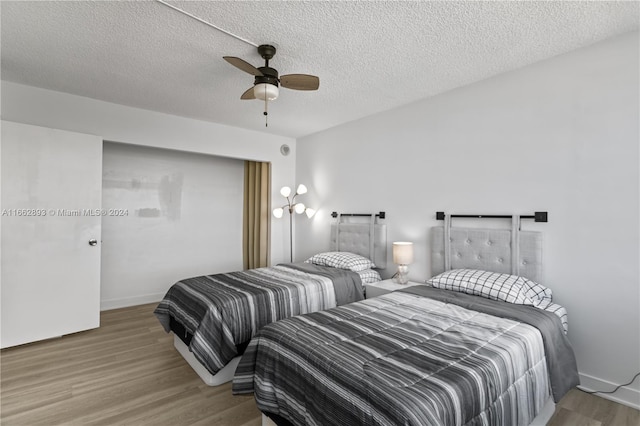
(256, 233)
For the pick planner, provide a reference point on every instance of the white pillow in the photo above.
(492, 285)
(342, 260)
(369, 276)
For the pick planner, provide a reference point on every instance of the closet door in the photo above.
(50, 232)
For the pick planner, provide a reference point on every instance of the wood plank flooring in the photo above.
(581, 409)
(127, 372)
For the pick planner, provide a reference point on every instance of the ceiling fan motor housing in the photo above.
(266, 51)
(269, 76)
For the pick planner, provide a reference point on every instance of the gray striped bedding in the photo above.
(223, 311)
(407, 358)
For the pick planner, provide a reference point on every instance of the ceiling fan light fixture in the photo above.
(266, 82)
(266, 91)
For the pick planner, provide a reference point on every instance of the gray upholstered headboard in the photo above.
(487, 249)
(368, 240)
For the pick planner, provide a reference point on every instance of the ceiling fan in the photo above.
(266, 82)
(265, 85)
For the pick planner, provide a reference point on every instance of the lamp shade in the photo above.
(266, 91)
(299, 208)
(301, 189)
(402, 253)
(285, 191)
(278, 212)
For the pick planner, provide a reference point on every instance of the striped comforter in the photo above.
(407, 359)
(223, 311)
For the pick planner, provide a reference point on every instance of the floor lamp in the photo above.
(292, 206)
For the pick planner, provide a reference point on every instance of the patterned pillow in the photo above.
(342, 260)
(492, 285)
(369, 276)
(559, 310)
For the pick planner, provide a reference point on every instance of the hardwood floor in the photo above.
(127, 372)
(581, 409)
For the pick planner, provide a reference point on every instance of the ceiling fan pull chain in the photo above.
(266, 115)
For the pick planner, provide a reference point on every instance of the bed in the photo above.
(470, 348)
(213, 317)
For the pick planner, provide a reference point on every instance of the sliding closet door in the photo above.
(51, 220)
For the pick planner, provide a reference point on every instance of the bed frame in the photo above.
(366, 237)
(509, 251)
(496, 250)
(541, 419)
(221, 377)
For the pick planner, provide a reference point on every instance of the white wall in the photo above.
(117, 123)
(560, 136)
(171, 215)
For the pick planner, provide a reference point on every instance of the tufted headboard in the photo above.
(487, 249)
(368, 240)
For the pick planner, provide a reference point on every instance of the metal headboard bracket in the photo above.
(537, 216)
(381, 215)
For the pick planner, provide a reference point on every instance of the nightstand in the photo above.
(385, 286)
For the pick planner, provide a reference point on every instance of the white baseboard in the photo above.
(626, 395)
(106, 305)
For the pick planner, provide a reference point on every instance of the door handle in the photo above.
(93, 242)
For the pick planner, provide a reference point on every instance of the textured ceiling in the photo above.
(370, 56)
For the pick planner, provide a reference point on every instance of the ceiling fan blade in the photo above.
(248, 94)
(243, 65)
(300, 81)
